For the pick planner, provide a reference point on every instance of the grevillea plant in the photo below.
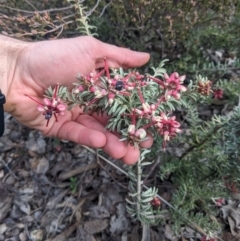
(138, 105)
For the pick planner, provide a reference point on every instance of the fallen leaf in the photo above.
(96, 226)
(98, 212)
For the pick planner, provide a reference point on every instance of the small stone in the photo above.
(3, 228)
(37, 235)
(1, 174)
(38, 215)
(23, 236)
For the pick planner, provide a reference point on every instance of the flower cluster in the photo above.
(218, 93)
(137, 103)
(156, 203)
(205, 87)
(53, 106)
(167, 127)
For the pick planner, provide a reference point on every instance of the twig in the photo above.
(103, 10)
(93, 9)
(30, 5)
(50, 31)
(79, 205)
(106, 160)
(42, 11)
(78, 170)
(100, 164)
(61, 30)
(6, 166)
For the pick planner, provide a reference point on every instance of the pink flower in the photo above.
(53, 106)
(167, 127)
(156, 202)
(173, 84)
(219, 202)
(218, 93)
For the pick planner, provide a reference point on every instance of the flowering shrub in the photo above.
(138, 105)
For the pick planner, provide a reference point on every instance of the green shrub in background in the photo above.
(170, 29)
(176, 30)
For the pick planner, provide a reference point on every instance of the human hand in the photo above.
(43, 64)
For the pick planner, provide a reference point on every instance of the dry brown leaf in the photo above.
(78, 170)
(96, 226)
(98, 212)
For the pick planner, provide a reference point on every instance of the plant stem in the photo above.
(139, 187)
(185, 220)
(146, 232)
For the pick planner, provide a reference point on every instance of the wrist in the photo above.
(10, 50)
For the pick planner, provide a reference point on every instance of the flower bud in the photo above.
(129, 87)
(146, 107)
(100, 93)
(91, 74)
(153, 107)
(76, 91)
(141, 133)
(92, 89)
(131, 129)
(156, 118)
(54, 102)
(116, 77)
(111, 97)
(139, 111)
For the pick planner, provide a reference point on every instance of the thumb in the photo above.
(123, 57)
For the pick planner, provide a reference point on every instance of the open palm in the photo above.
(46, 63)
